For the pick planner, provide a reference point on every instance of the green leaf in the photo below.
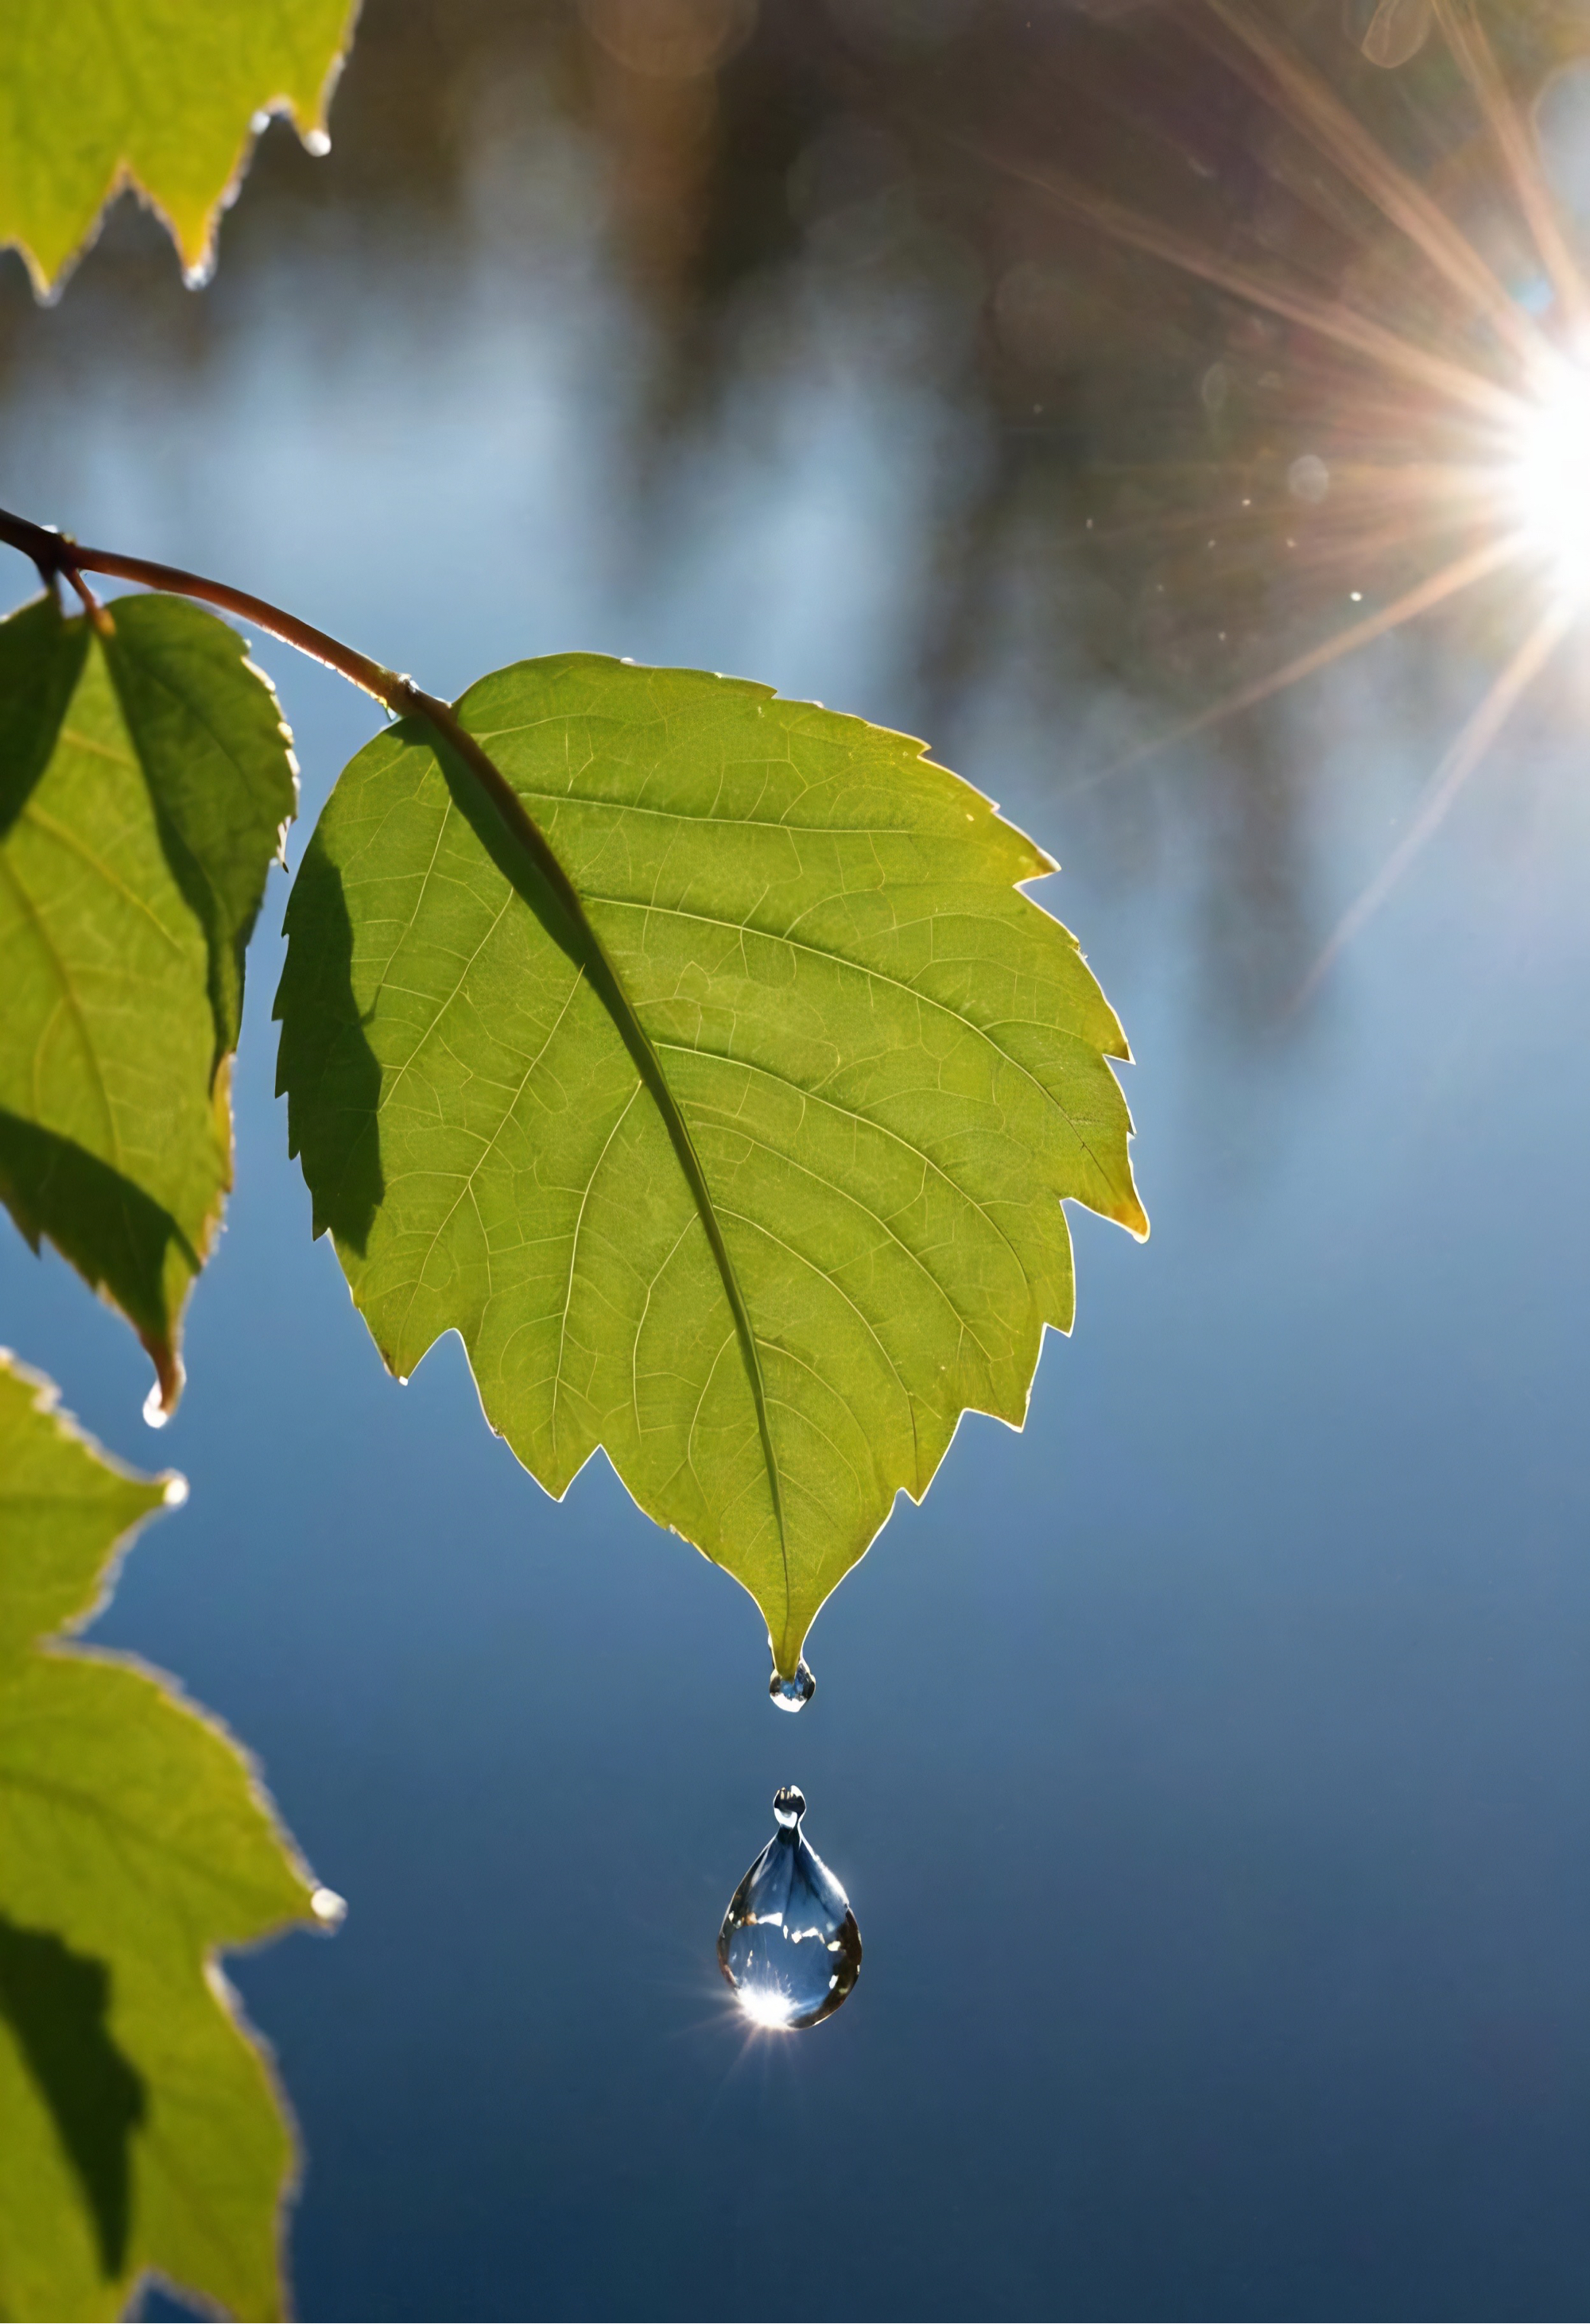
(753, 1175)
(142, 2131)
(145, 779)
(162, 95)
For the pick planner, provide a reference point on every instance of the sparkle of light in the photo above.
(772, 2011)
(329, 1908)
(1551, 479)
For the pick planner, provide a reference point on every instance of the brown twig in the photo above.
(56, 553)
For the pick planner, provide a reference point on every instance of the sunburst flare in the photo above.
(1456, 410)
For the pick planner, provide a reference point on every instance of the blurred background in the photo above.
(1207, 1766)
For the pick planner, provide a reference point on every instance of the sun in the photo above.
(1550, 477)
(1494, 398)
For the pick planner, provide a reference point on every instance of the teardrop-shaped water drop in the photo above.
(795, 1693)
(789, 1945)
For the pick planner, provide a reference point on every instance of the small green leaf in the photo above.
(754, 1177)
(218, 759)
(145, 777)
(160, 95)
(142, 2132)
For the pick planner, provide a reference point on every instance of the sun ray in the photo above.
(1330, 319)
(1307, 100)
(1465, 38)
(1461, 759)
(1447, 492)
(1463, 573)
(1345, 549)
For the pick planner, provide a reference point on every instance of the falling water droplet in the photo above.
(793, 1694)
(789, 1944)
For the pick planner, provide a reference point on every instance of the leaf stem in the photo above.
(56, 554)
(98, 613)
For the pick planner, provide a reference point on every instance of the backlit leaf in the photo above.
(767, 1231)
(144, 778)
(162, 95)
(141, 2129)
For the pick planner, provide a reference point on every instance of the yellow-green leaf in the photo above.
(765, 1190)
(146, 777)
(142, 2128)
(165, 95)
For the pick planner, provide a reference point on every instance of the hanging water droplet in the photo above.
(156, 1415)
(789, 1944)
(793, 1694)
(329, 1908)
